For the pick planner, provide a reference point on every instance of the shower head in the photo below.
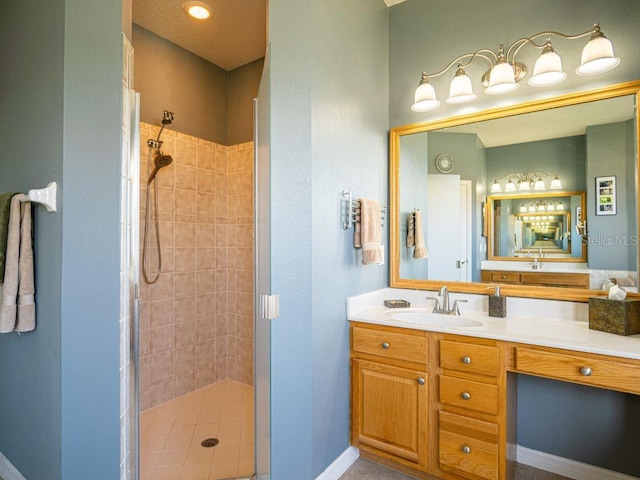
(167, 117)
(160, 161)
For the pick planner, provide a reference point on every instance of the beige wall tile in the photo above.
(185, 286)
(193, 320)
(185, 177)
(185, 234)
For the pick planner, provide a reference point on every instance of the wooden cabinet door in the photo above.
(389, 410)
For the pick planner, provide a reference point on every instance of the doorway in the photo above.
(196, 324)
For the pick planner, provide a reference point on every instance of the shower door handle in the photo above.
(269, 306)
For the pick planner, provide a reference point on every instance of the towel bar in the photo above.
(46, 196)
(353, 211)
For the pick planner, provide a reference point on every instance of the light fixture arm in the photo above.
(518, 44)
(471, 57)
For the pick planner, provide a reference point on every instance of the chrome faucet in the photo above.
(443, 304)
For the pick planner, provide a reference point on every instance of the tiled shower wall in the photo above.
(196, 322)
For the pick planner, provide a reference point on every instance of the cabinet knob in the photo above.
(466, 449)
(466, 360)
(465, 396)
(421, 381)
(586, 371)
(504, 277)
(385, 345)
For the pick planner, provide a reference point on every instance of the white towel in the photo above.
(421, 248)
(371, 225)
(17, 311)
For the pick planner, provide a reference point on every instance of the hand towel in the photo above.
(15, 259)
(421, 248)
(357, 229)
(26, 317)
(411, 230)
(371, 225)
(5, 206)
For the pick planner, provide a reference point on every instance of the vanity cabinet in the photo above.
(389, 393)
(441, 405)
(545, 279)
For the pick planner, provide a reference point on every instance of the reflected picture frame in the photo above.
(606, 195)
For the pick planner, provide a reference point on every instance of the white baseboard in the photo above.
(340, 464)
(8, 471)
(566, 467)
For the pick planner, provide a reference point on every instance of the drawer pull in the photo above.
(466, 360)
(465, 396)
(585, 371)
(504, 277)
(385, 345)
(466, 449)
(421, 381)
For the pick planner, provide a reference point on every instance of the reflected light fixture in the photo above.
(198, 10)
(505, 72)
(526, 181)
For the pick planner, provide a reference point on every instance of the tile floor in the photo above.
(364, 469)
(171, 435)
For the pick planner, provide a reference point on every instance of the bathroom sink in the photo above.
(429, 319)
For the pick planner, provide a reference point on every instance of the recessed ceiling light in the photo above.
(198, 10)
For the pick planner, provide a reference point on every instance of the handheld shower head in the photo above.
(160, 161)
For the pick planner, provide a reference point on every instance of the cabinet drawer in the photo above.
(393, 345)
(504, 277)
(580, 280)
(468, 454)
(465, 357)
(580, 369)
(469, 394)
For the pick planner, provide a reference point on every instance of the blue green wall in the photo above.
(31, 90)
(59, 411)
(329, 123)
(612, 238)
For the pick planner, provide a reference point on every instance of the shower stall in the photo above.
(196, 321)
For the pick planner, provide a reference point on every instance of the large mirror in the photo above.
(539, 197)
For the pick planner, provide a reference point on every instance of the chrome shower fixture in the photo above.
(167, 117)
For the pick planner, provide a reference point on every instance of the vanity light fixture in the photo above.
(197, 10)
(526, 181)
(505, 72)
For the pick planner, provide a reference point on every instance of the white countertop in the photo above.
(526, 266)
(542, 329)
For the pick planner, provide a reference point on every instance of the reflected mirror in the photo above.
(539, 197)
(528, 227)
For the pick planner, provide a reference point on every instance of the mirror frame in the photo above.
(554, 293)
(490, 219)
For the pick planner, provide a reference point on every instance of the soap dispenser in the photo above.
(497, 303)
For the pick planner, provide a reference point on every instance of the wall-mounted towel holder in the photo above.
(411, 219)
(352, 213)
(46, 196)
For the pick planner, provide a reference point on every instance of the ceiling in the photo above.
(548, 124)
(233, 36)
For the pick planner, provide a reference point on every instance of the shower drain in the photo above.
(210, 442)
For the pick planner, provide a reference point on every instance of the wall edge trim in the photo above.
(565, 466)
(8, 471)
(339, 465)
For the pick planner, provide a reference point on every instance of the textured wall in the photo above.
(329, 122)
(196, 322)
(30, 366)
